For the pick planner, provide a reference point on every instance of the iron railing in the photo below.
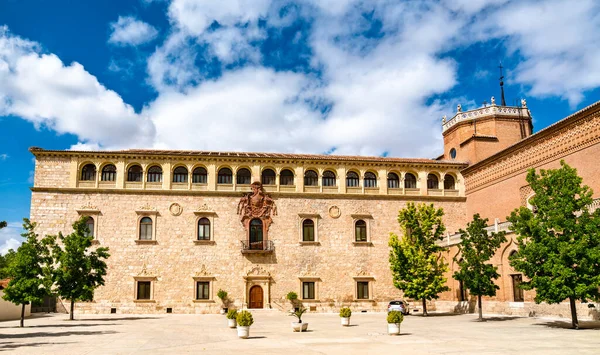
(265, 246)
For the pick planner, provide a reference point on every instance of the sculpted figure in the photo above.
(256, 204)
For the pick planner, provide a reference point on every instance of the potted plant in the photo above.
(231, 315)
(292, 297)
(223, 296)
(299, 326)
(244, 320)
(394, 319)
(345, 314)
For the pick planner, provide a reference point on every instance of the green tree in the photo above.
(559, 243)
(5, 261)
(3, 224)
(78, 271)
(477, 248)
(29, 271)
(415, 260)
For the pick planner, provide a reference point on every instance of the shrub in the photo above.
(298, 314)
(232, 314)
(345, 312)
(222, 295)
(395, 317)
(292, 296)
(244, 319)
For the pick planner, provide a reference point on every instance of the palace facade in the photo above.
(181, 225)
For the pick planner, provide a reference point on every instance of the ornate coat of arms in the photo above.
(257, 204)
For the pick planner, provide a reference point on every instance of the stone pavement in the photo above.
(271, 334)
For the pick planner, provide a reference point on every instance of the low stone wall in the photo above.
(10, 311)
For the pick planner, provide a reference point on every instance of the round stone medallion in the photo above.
(175, 209)
(334, 212)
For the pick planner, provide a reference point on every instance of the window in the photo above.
(286, 177)
(268, 177)
(352, 179)
(144, 290)
(360, 230)
(180, 174)
(410, 181)
(155, 174)
(432, 182)
(88, 172)
(256, 234)
(328, 178)
(362, 290)
(453, 153)
(203, 229)
(393, 181)
(449, 182)
(135, 173)
(146, 228)
(109, 173)
(90, 226)
(224, 176)
(243, 177)
(308, 290)
(517, 291)
(308, 230)
(370, 180)
(311, 178)
(199, 176)
(202, 290)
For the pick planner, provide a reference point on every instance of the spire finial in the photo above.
(502, 85)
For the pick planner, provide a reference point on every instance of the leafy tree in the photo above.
(5, 261)
(78, 271)
(477, 248)
(559, 243)
(29, 271)
(3, 224)
(415, 260)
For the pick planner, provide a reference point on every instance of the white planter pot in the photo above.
(299, 327)
(393, 328)
(232, 323)
(345, 321)
(243, 332)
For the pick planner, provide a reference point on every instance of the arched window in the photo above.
(393, 181)
(432, 182)
(88, 172)
(449, 182)
(256, 234)
(199, 176)
(109, 173)
(370, 180)
(410, 181)
(203, 229)
(180, 174)
(243, 177)
(360, 230)
(146, 228)
(224, 176)
(308, 230)
(328, 178)
(90, 225)
(517, 279)
(155, 174)
(135, 173)
(268, 177)
(311, 178)
(286, 177)
(352, 179)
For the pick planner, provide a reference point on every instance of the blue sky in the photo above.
(318, 76)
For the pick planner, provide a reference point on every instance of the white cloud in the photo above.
(10, 237)
(129, 31)
(4, 156)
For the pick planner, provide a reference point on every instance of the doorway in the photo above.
(256, 297)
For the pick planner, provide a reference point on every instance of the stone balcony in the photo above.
(264, 247)
(482, 112)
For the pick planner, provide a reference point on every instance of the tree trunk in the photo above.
(424, 307)
(479, 306)
(574, 321)
(72, 309)
(22, 315)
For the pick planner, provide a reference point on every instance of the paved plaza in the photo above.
(271, 334)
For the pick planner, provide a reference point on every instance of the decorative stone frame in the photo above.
(315, 218)
(210, 215)
(363, 277)
(137, 279)
(258, 276)
(211, 289)
(91, 211)
(303, 279)
(367, 217)
(152, 214)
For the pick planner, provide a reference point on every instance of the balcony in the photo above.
(263, 247)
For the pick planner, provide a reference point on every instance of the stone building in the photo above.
(181, 225)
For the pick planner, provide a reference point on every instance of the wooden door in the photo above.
(256, 297)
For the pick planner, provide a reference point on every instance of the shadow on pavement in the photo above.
(259, 337)
(441, 314)
(12, 346)
(583, 325)
(497, 319)
(57, 334)
(115, 319)
(72, 325)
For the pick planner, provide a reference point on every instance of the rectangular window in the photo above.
(362, 290)
(308, 232)
(517, 291)
(199, 178)
(143, 290)
(202, 290)
(308, 290)
(393, 184)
